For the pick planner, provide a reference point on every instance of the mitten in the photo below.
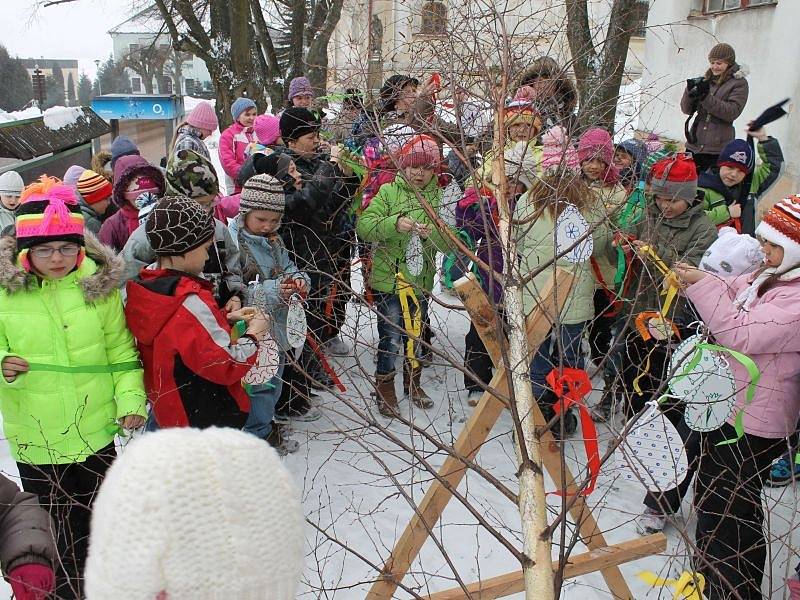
(33, 581)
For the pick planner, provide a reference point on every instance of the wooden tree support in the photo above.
(601, 557)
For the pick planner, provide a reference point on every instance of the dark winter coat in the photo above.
(315, 216)
(91, 219)
(713, 125)
(25, 529)
(192, 371)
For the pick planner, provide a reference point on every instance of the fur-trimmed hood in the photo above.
(97, 277)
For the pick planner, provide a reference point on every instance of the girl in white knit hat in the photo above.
(10, 190)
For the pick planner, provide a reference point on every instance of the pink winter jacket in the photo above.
(232, 144)
(767, 333)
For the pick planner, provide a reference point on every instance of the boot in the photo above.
(604, 410)
(412, 387)
(385, 394)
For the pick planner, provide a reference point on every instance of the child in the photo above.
(535, 216)
(10, 190)
(629, 156)
(596, 155)
(268, 133)
(756, 315)
(389, 220)
(678, 230)
(193, 176)
(198, 126)
(557, 150)
(133, 176)
(235, 139)
(265, 263)
(95, 197)
(122, 146)
(193, 372)
(71, 373)
(301, 94)
(523, 124)
(725, 198)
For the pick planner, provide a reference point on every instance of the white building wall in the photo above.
(766, 42)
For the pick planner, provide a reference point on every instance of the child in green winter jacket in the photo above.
(725, 198)
(71, 372)
(395, 220)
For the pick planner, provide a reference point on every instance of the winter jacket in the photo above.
(25, 529)
(536, 247)
(682, 239)
(116, 230)
(232, 144)
(767, 334)
(315, 216)
(52, 417)
(222, 269)
(267, 259)
(476, 214)
(713, 125)
(189, 138)
(612, 198)
(718, 197)
(91, 219)
(378, 223)
(192, 371)
(461, 172)
(7, 218)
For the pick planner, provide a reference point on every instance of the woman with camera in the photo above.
(718, 98)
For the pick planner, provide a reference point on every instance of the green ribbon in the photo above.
(631, 214)
(752, 370)
(131, 365)
(451, 257)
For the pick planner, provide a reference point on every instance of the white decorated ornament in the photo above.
(296, 323)
(415, 261)
(570, 227)
(267, 362)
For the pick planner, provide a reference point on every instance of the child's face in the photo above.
(54, 260)
(718, 67)
(418, 177)
(204, 133)
(303, 100)
(262, 222)
(773, 254)
(520, 132)
(730, 176)
(671, 207)
(408, 95)
(594, 169)
(10, 202)
(248, 117)
(101, 207)
(306, 145)
(622, 160)
(193, 261)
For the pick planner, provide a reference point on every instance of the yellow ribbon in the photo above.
(689, 586)
(670, 278)
(411, 323)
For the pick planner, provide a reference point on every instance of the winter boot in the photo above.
(279, 439)
(385, 395)
(547, 402)
(603, 411)
(318, 377)
(412, 387)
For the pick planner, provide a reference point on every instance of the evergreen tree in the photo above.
(111, 79)
(16, 89)
(85, 92)
(71, 90)
(54, 90)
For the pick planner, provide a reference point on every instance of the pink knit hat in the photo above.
(596, 143)
(419, 151)
(203, 117)
(557, 149)
(267, 129)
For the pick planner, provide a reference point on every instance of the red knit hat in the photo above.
(93, 187)
(419, 151)
(781, 226)
(674, 177)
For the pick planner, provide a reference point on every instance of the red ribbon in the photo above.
(571, 387)
(324, 361)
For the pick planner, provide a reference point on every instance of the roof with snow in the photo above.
(55, 130)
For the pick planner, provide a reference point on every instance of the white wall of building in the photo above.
(766, 42)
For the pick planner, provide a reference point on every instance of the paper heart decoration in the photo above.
(414, 258)
(267, 362)
(707, 386)
(570, 227)
(296, 323)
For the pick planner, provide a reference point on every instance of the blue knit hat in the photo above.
(737, 154)
(122, 146)
(240, 105)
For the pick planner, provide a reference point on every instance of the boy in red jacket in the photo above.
(192, 370)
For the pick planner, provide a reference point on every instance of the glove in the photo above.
(32, 581)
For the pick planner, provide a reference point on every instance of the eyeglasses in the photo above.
(67, 250)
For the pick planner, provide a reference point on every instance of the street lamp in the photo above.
(97, 74)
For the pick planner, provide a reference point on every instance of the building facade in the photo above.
(763, 33)
(47, 65)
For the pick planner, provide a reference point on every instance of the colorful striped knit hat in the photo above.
(93, 187)
(781, 226)
(523, 111)
(48, 211)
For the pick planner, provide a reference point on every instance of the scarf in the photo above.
(747, 296)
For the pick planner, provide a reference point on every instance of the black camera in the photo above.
(697, 87)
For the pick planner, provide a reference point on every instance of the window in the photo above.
(136, 84)
(167, 86)
(712, 6)
(639, 12)
(434, 18)
(133, 49)
(189, 83)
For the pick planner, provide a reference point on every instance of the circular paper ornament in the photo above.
(266, 363)
(708, 388)
(255, 295)
(414, 258)
(296, 323)
(570, 227)
(653, 453)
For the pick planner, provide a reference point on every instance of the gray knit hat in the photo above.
(11, 184)
(178, 225)
(262, 192)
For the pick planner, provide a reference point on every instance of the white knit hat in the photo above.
(732, 254)
(206, 514)
(521, 162)
(11, 184)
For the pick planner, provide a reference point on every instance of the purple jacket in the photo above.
(475, 215)
(767, 333)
